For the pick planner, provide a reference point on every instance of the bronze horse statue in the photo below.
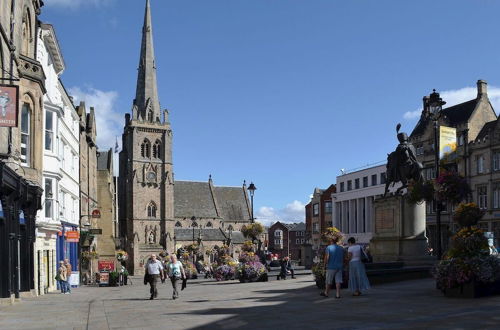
(402, 164)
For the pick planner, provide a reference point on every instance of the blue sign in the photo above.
(22, 220)
(1, 209)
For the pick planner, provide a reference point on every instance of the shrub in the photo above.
(467, 214)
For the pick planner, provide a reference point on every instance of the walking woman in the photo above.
(358, 281)
(62, 277)
(176, 274)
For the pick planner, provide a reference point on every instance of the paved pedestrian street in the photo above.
(290, 304)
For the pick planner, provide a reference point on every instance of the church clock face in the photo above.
(151, 176)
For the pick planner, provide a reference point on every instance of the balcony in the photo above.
(31, 69)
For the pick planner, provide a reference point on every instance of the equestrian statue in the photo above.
(402, 164)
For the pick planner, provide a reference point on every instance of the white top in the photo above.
(356, 252)
(154, 268)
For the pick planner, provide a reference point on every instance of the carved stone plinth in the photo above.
(399, 233)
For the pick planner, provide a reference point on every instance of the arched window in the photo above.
(157, 149)
(152, 210)
(146, 149)
(178, 224)
(230, 228)
(209, 225)
(25, 135)
(27, 36)
(150, 116)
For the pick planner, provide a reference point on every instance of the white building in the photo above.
(353, 201)
(60, 208)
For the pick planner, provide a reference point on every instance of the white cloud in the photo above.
(292, 212)
(456, 96)
(74, 4)
(109, 122)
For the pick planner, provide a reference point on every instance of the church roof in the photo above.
(193, 199)
(232, 203)
(208, 234)
(204, 200)
(104, 159)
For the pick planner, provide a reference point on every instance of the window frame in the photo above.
(26, 135)
(49, 132)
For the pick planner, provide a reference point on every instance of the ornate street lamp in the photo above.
(252, 189)
(433, 106)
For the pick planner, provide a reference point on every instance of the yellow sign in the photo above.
(447, 141)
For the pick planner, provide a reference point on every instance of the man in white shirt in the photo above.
(154, 270)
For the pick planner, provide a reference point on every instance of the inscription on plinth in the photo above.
(384, 219)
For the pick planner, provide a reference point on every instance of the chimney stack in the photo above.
(482, 88)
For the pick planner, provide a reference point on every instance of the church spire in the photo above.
(146, 103)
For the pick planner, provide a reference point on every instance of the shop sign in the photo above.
(95, 231)
(108, 265)
(72, 236)
(104, 278)
(96, 214)
(8, 105)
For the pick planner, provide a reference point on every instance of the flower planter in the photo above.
(473, 290)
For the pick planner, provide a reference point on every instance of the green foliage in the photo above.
(253, 230)
(467, 214)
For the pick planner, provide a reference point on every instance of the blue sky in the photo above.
(283, 93)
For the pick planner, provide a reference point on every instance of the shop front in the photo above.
(67, 248)
(20, 200)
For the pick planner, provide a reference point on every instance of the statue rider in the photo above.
(407, 155)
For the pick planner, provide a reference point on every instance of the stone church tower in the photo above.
(146, 178)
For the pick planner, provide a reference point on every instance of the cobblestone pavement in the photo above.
(290, 304)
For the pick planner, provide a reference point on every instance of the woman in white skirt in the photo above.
(358, 281)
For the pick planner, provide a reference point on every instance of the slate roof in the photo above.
(208, 234)
(232, 203)
(455, 115)
(193, 198)
(203, 200)
(489, 126)
(103, 160)
(300, 226)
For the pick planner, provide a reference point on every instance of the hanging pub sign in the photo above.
(8, 105)
(447, 142)
(96, 214)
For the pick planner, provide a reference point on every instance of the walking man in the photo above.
(154, 269)
(67, 264)
(334, 260)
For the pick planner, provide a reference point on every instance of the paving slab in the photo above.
(290, 304)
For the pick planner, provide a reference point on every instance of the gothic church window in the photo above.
(152, 210)
(178, 224)
(157, 149)
(146, 149)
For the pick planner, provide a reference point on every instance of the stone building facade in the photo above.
(21, 149)
(105, 244)
(88, 180)
(153, 205)
(474, 121)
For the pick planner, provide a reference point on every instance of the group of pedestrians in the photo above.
(63, 276)
(334, 263)
(155, 269)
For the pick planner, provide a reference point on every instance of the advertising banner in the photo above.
(72, 236)
(104, 280)
(447, 141)
(8, 105)
(108, 265)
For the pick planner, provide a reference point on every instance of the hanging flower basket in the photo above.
(121, 255)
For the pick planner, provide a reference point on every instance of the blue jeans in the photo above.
(62, 286)
(68, 286)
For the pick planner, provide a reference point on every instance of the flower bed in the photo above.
(252, 271)
(224, 272)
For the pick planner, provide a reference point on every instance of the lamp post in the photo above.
(434, 105)
(193, 219)
(252, 189)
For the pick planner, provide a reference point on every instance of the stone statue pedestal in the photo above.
(399, 234)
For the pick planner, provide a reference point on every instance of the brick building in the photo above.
(319, 215)
(287, 239)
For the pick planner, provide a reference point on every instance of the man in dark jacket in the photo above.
(289, 266)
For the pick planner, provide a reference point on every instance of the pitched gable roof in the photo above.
(455, 115)
(487, 128)
(232, 203)
(193, 199)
